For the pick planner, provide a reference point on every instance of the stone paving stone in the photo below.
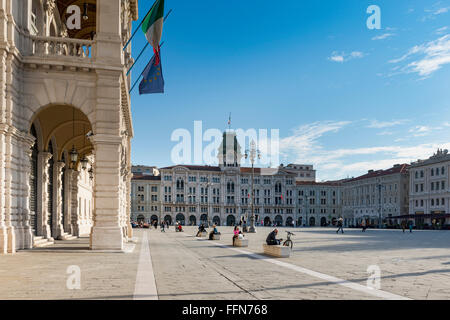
(41, 273)
(415, 265)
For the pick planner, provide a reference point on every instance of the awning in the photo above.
(424, 216)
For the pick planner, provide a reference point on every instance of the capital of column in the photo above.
(44, 157)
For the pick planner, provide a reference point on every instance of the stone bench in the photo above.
(216, 237)
(277, 251)
(241, 243)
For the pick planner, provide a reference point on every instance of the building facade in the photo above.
(223, 194)
(430, 190)
(65, 122)
(376, 197)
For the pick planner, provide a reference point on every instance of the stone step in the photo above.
(66, 236)
(40, 242)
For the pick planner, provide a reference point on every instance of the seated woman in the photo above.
(213, 232)
(236, 233)
(180, 228)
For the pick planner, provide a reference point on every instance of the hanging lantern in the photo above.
(73, 156)
(84, 162)
(85, 13)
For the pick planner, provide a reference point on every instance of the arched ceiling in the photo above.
(68, 126)
(88, 27)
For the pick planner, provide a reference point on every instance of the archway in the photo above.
(323, 222)
(267, 222)
(334, 221)
(168, 219)
(231, 220)
(192, 221)
(141, 218)
(180, 219)
(154, 218)
(216, 221)
(312, 222)
(289, 222)
(61, 190)
(278, 221)
(300, 222)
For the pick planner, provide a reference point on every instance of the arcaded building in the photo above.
(189, 194)
(65, 122)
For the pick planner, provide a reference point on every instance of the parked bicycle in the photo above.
(288, 242)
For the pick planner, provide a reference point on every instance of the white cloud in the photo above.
(433, 13)
(441, 31)
(419, 131)
(343, 57)
(304, 146)
(385, 124)
(427, 58)
(383, 36)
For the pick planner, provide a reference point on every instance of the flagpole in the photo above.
(137, 80)
(135, 31)
(142, 51)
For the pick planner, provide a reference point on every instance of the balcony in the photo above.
(58, 51)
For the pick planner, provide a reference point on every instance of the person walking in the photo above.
(340, 225)
(163, 227)
(403, 225)
(410, 227)
(364, 225)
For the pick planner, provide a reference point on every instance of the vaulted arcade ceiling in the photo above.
(88, 26)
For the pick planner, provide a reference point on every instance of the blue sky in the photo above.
(345, 98)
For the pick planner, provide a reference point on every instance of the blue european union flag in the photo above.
(153, 80)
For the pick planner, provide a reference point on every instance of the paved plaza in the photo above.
(323, 265)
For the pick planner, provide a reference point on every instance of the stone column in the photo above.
(107, 233)
(57, 199)
(67, 223)
(43, 229)
(128, 195)
(24, 222)
(3, 229)
(74, 210)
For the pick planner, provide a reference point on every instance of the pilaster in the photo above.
(57, 199)
(42, 210)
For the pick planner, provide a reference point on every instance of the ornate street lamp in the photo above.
(73, 156)
(252, 154)
(84, 162)
(91, 173)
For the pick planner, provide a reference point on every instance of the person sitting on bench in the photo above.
(236, 233)
(272, 240)
(212, 233)
(201, 229)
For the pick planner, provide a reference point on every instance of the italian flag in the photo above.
(153, 25)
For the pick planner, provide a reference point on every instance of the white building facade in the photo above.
(377, 197)
(430, 190)
(65, 92)
(223, 194)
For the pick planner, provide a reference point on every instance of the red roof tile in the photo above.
(403, 168)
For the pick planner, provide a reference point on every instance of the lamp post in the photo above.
(306, 210)
(252, 154)
(380, 206)
(208, 184)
